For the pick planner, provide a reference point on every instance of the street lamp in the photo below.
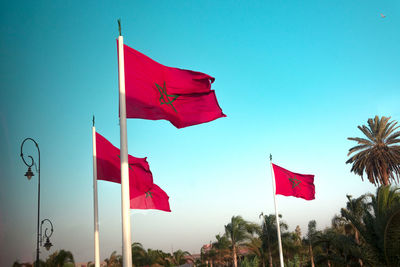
(48, 244)
(29, 175)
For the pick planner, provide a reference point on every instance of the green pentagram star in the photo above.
(164, 96)
(149, 193)
(295, 182)
(129, 164)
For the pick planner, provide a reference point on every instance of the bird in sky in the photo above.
(383, 16)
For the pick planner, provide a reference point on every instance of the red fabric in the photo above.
(182, 97)
(109, 166)
(153, 198)
(143, 193)
(294, 184)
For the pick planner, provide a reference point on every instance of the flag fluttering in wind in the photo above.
(157, 92)
(109, 166)
(144, 194)
(153, 198)
(294, 184)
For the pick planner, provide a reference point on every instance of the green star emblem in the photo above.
(149, 194)
(295, 182)
(165, 97)
(129, 164)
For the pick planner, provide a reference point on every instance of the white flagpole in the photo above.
(278, 228)
(126, 220)
(95, 203)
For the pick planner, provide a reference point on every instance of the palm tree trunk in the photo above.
(269, 257)
(234, 257)
(357, 238)
(385, 178)
(311, 255)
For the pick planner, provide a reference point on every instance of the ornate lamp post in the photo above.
(29, 175)
(48, 244)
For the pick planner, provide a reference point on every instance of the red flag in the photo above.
(142, 193)
(294, 184)
(157, 92)
(153, 198)
(109, 166)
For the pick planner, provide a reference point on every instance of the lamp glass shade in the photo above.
(29, 173)
(48, 244)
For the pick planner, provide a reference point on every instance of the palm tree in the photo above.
(114, 260)
(238, 231)
(355, 208)
(268, 234)
(221, 246)
(248, 262)
(153, 257)
(165, 259)
(336, 249)
(180, 257)
(392, 237)
(59, 258)
(379, 154)
(379, 228)
(290, 247)
(312, 230)
(255, 247)
(210, 256)
(138, 254)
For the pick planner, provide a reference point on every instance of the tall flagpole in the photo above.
(278, 228)
(95, 202)
(126, 220)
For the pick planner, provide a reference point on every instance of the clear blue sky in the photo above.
(294, 77)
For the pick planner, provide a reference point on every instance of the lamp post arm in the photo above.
(45, 231)
(22, 154)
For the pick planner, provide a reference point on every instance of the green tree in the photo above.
(238, 231)
(180, 257)
(221, 246)
(312, 230)
(114, 260)
(138, 254)
(247, 262)
(335, 249)
(378, 155)
(355, 208)
(154, 257)
(379, 229)
(269, 234)
(59, 258)
(291, 247)
(392, 239)
(209, 254)
(255, 247)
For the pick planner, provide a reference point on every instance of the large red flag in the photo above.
(157, 92)
(143, 193)
(294, 184)
(109, 166)
(153, 198)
